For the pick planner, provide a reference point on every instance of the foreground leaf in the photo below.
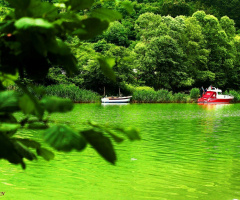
(9, 101)
(9, 129)
(26, 105)
(29, 143)
(79, 4)
(46, 154)
(131, 133)
(101, 144)
(106, 65)
(128, 6)
(37, 126)
(23, 151)
(7, 118)
(106, 14)
(90, 28)
(8, 151)
(29, 104)
(26, 23)
(116, 138)
(62, 138)
(19, 4)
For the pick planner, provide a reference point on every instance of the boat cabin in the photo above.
(210, 94)
(213, 93)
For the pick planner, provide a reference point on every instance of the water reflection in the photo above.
(114, 104)
(211, 106)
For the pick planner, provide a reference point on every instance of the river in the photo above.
(187, 152)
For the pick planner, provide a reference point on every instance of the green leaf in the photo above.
(37, 125)
(46, 154)
(26, 23)
(128, 6)
(101, 144)
(8, 118)
(19, 4)
(116, 138)
(29, 142)
(8, 151)
(1, 87)
(24, 152)
(106, 65)
(9, 101)
(79, 4)
(29, 104)
(59, 47)
(7, 27)
(106, 14)
(68, 62)
(8, 79)
(132, 133)
(90, 28)
(38, 9)
(62, 138)
(56, 104)
(9, 129)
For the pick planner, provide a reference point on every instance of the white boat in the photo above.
(116, 99)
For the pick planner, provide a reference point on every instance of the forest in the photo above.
(175, 45)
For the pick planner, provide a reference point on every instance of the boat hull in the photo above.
(115, 100)
(202, 100)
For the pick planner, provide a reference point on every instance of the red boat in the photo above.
(215, 95)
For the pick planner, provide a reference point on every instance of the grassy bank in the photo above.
(72, 92)
(160, 96)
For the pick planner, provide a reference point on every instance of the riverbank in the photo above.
(139, 94)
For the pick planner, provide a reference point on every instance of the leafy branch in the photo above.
(32, 40)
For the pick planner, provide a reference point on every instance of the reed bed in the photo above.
(160, 96)
(72, 92)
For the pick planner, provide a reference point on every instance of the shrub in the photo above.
(194, 93)
(180, 98)
(235, 94)
(131, 88)
(160, 96)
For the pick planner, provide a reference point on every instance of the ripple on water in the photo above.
(187, 151)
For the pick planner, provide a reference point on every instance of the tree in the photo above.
(116, 34)
(175, 8)
(161, 61)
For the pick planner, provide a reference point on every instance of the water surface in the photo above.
(187, 151)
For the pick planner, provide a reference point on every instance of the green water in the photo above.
(187, 151)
